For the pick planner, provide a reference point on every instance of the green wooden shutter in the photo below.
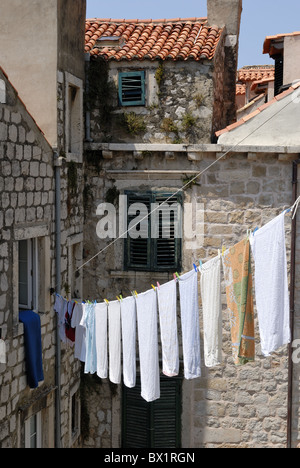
(156, 424)
(159, 253)
(137, 251)
(168, 249)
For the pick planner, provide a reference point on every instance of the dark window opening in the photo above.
(156, 424)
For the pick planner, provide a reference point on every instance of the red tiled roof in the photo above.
(277, 37)
(255, 73)
(255, 84)
(259, 110)
(175, 39)
(240, 89)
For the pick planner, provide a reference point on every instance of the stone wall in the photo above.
(27, 197)
(227, 406)
(179, 102)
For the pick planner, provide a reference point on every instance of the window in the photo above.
(154, 244)
(132, 88)
(28, 274)
(74, 117)
(156, 424)
(74, 414)
(33, 437)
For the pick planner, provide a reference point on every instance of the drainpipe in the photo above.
(57, 165)
(87, 104)
(292, 307)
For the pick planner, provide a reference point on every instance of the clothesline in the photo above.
(105, 332)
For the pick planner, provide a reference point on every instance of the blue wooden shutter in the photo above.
(132, 88)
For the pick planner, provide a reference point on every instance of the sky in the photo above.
(260, 18)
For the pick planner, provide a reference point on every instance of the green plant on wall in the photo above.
(133, 123)
(188, 182)
(159, 75)
(169, 126)
(188, 122)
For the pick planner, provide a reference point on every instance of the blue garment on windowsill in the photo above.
(33, 347)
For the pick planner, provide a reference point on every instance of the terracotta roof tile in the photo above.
(256, 73)
(176, 39)
(240, 89)
(277, 37)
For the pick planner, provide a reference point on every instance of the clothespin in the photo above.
(195, 268)
(136, 294)
(121, 297)
(177, 275)
(118, 298)
(158, 285)
(174, 276)
(223, 250)
(200, 264)
(153, 287)
(256, 229)
(219, 253)
(106, 301)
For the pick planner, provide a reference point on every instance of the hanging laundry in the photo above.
(210, 283)
(167, 306)
(101, 340)
(128, 320)
(33, 347)
(80, 348)
(188, 288)
(70, 331)
(88, 321)
(239, 292)
(271, 285)
(148, 345)
(114, 344)
(2, 352)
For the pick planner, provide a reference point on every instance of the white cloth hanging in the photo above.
(148, 345)
(114, 343)
(271, 285)
(167, 306)
(128, 320)
(210, 282)
(88, 321)
(101, 339)
(188, 288)
(80, 348)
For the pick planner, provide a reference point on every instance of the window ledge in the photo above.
(145, 275)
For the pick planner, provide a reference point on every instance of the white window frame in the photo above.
(37, 434)
(32, 276)
(41, 234)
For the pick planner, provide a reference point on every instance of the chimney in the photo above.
(227, 14)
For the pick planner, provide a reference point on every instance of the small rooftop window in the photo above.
(110, 41)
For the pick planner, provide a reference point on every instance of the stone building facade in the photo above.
(41, 174)
(228, 406)
(240, 189)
